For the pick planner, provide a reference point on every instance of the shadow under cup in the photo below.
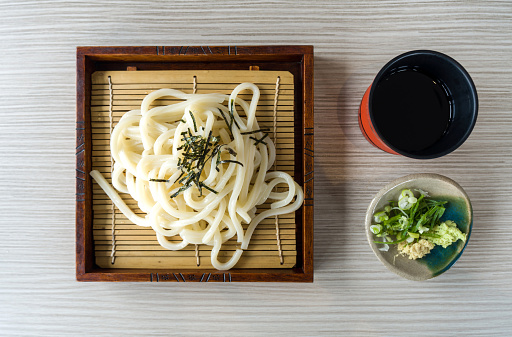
(439, 69)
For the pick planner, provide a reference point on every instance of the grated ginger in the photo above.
(415, 250)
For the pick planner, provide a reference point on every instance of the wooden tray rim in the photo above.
(85, 268)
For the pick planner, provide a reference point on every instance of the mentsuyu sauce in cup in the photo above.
(411, 110)
(422, 104)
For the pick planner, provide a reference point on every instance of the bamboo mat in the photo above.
(129, 246)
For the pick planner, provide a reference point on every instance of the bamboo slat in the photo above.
(137, 247)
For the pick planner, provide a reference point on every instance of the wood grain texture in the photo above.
(353, 294)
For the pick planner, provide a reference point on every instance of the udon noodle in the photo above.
(157, 150)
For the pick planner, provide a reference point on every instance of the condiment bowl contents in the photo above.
(458, 209)
(422, 104)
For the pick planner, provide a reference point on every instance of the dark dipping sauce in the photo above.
(410, 110)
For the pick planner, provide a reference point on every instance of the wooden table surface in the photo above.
(353, 294)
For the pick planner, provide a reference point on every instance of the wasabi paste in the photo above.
(447, 233)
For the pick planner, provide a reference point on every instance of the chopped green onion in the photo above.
(376, 229)
(380, 216)
(414, 235)
(406, 200)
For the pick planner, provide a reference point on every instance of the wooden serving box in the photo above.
(95, 63)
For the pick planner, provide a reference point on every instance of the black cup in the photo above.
(459, 88)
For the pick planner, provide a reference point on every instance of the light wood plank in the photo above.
(353, 294)
(186, 76)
